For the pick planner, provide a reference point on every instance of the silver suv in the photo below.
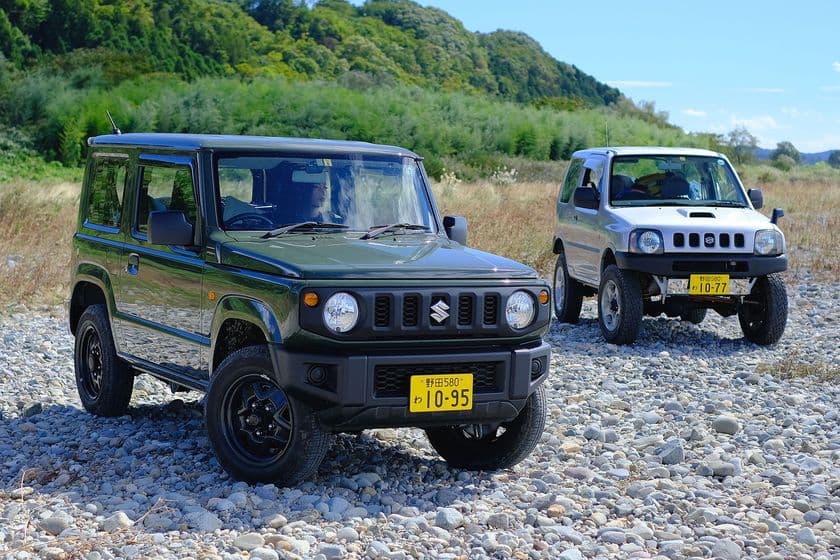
(666, 230)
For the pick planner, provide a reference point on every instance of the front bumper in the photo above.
(682, 265)
(354, 392)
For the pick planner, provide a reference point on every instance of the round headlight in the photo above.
(519, 310)
(341, 312)
(650, 242)
(768, 242)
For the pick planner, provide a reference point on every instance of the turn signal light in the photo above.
(310, 299)
(544, 297)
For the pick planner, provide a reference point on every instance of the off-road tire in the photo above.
(242, 379)
(568, 293)
(499, 450)
(104, 381)
(620, 305)
(694, 316)
(763, 313)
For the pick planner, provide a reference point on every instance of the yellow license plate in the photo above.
(441, 393)
(708, 284)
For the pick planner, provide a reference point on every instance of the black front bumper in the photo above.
(682, 265)
(354, 392)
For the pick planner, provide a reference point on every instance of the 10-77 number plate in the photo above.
(441, 392)
(708, 284)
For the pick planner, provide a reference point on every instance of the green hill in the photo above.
(389, 41)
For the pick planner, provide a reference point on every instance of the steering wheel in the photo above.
(262, 220)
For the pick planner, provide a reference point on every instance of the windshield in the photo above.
(265, 192)
(674, 180)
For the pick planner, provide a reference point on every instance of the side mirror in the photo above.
(586, 197)
(756, 197)
(777, 213)
(170, 228)
(456, 228)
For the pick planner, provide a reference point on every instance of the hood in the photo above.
(345, 256)
(712, 218)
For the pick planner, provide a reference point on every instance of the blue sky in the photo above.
(771, 66)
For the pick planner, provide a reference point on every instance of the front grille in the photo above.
(393, 380)
(382, 311)
(491, 309)
(465, 309)
(708, 240)
(411, 310)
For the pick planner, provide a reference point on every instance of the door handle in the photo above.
(133, 263)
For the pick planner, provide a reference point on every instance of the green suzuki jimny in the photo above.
(308, 287)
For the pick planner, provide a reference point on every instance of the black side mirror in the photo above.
(170, 228)
(756, 197)
(456, 228)
(777, 213)
(586, 197)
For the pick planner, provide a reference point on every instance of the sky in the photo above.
(771, 66)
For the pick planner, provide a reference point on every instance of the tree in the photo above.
(741, 145)
(834, 159)
(785, 148)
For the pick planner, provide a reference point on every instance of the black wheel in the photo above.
(620, 305)
(479, 447)
(568, 293)
(103, 380)
(763, 313)
(694, 316)
(260, 433)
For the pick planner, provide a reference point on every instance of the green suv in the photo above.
(308, 287)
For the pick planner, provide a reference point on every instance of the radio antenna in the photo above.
(114, 129)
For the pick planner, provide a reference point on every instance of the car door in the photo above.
(159, 292)
(583, 246)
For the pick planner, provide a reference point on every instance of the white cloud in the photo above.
(639, 84)
(836, 66)
(819, 144)
(756, 124)
(694, 113)
(764, 90)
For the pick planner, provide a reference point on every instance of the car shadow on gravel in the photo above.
(159, 450)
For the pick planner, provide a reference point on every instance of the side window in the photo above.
(165, 188)
(106, 192)
(572, 180)
(593, 169)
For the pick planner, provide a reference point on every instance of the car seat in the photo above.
(674, 186)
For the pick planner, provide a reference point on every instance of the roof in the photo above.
(648, 151)
(233, 142)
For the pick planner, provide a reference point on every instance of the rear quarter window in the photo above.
(572, 180)
(107, 188)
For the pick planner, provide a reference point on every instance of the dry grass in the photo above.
(515, 219)
(794, 366)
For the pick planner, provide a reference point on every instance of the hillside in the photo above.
(386, 41)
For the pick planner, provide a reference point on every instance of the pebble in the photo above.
(635, 460)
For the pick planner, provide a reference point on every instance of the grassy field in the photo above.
(507, 215)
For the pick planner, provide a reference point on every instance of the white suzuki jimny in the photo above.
(666, 230)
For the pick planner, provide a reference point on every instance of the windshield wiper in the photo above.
(729, 203)
(302, 225)
(376, 231)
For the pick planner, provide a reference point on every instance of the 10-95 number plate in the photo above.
(441, 393)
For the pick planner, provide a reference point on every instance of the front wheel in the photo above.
(478, 447)
(694, 316)
(260, 433)
(620, 305)
(568, 293)
(763, 313)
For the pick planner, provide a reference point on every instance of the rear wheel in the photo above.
(480, 447)
(694, 316)
(259, 432)
(568, 293)
(620, 305)
(763, 313)
(103, 380)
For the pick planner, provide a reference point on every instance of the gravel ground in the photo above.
(691, 443)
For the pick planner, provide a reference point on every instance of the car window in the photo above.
(165, 188)
(572, 180)
(593, 170)
(106, 192)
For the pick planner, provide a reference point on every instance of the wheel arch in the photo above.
(92, 286)
(558, 246)
(240, 321)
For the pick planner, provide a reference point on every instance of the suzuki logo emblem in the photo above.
(710, 240)
(439, 311)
